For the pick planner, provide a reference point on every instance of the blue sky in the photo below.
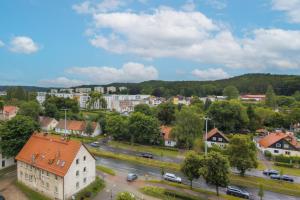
(66, 43)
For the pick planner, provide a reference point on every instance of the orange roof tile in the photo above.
(275, 137)
(74, 125)
(166, 130)
(50, 153)
(10, 109)
(213, 132)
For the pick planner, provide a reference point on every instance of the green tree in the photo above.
(296, 95)
(190, 167)
(188, 127)
(31, 109)
(94, 98)
(228, 116)
(51, 110)
(1, 106)
(125, 196)
(253, 119)
(270, 97)
(216, 170)
(166, 113)
(15, 133)
(117, 126)
(143, 108)
(261, 191)
(207, 104)
(144, 129)
(231, 92)
(242, 153)
(89, 128)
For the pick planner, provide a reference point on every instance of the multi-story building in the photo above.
(54, 91)
(111, 89)
(122, 88)
(41, 97)
(54, 166)
(66, 90)
(83, 90)
(3, 93)
(99, 89)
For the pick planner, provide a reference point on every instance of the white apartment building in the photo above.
(54, 91)
(66, 90)
(111, 89)
(122, 88)
(125, 103)
(83, 90)
(99, 89)
(55, 167)
(41, 97)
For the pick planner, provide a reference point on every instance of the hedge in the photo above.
(287, 159)
(282, 164)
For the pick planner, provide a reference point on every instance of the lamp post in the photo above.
(65, 121)
(206, 121)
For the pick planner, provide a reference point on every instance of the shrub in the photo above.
(281, 164)
(125, 196)
(268, 154)
(287, 159)
(91, 190)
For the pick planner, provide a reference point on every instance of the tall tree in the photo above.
(117, 126)
(51, 110)
(190, 167)
(242, 153)
(231, 92)
(14, 134)
(1, 106)
(143, 108)
(96, 97)
(207, 104)
(188, 127)
(166, 113)
(270, 97)
(89, 128)
(216, 170)
(31, 109)
(253, 119)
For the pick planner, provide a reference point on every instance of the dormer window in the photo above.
(278, 145)
(214, 138)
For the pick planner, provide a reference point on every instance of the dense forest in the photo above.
(248, 83)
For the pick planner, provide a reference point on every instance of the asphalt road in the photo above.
(151, 172)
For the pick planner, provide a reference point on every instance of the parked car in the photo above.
(284, 177)
(131, 177)
(269, 172)
(238, 192)
(146, 155)
(2, 197)
(95, 144)
(172, 177)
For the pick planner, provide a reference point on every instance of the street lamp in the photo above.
(206, 121)
(65, 121)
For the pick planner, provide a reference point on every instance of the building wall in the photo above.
(170, 143)
(71, 179)
(220, 144)
(276, 151)
(40, 180)
(6, 162)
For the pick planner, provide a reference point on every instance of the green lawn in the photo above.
(91, 190)
(288, 171)
(106, 170)
(143, 148)
(29, 193)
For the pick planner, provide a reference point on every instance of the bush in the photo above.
(268, 154)
(91, 190)
(281, 164)
(125, 196)
(287, 159)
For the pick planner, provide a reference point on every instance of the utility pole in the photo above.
(206, 121)
(65, 121)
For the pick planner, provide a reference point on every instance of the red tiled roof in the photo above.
(275, 137)
(215, 131)
(50, 153)
(74, 125)
(10, 109)
(166, 130)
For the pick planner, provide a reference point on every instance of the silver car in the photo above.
(172, 177)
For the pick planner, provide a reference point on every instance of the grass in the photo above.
(199, 190)
(29, 193)
(135, 159)
(159, 151)
(106, 170)
(269, 184)
(287, 170)
(86, 139)
(91, 190)
(166, 194)
(261, 166)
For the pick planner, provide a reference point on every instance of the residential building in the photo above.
(166, 133)
(3, 93)
(41, 97)
(83, 90)
(181, 100)
(99, 89)
(6, 162)
(122, 88)
(253, 97)
(280, 143)
(55, 166)
(111, 89)
(77, 128)
(47, 123)
(66, 90)
(125, 103)
(54, 91)
(155, 101)
(8, 112)
(216, 137)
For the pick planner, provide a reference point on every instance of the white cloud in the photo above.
(290, 7)
(1, 43)
(23, 44)
(210, 74)
(88, 7)
(189, 5)
(217, 4)
(130, 72)
(61, 82)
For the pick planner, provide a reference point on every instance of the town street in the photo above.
(147, 173)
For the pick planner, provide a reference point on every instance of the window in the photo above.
(55, 177)
(77, 173)
(26, 176)
(84, 169)
(276, 151)
(220, 139)
(84, 158)
(56, 189)
(84, 180)
(30, 178)
(47, 173)
(77, 161)
(3, 163)
(47, 185)
(287, 153)
(286, 146)
(278, 145)
(214, 138)
(21, 173)
(77, 185)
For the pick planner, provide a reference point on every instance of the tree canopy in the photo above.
(166, 113)
(231, 92)
(31, 109)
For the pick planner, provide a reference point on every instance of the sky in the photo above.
(63, 43)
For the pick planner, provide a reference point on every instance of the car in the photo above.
(283, 177)
(2, 197)
(95, 144)
(146, 155)
(131, 177)
(238, 192)
(269, 172)
(172, 178)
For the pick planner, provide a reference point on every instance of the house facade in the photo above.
(56, 167)
(6, 162)
(166, 133)
(216, 137)
(280, 143)
(8, 112)
(47, 123)
(77, 128)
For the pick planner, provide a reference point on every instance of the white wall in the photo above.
(6, 162)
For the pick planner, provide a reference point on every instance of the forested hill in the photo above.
(248, 83)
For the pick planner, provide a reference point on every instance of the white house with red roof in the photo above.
(54, 166)
(280, 143)
(47, 123)
(216, 137)
(8, 112)
(77, 128)
(166, 134)
(253, 97)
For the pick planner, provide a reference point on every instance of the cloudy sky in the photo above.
(67, 43)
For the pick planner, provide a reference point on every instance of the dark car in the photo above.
(2, 197)
(131, 177)
(284, 178)
(95, 144)
(269, 172)
(146, 155)
(238, 192)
